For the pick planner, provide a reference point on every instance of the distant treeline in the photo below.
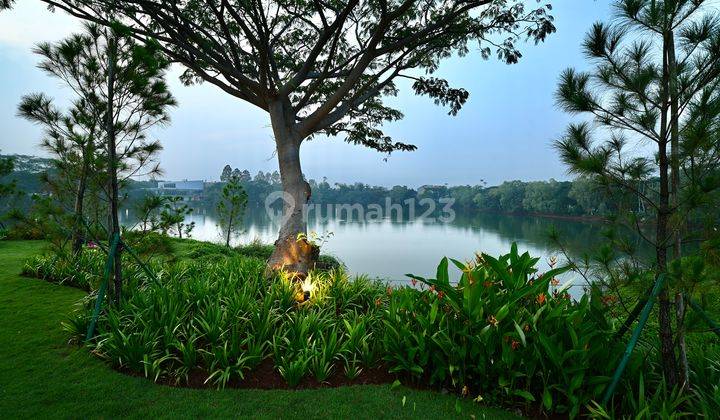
(577, 198)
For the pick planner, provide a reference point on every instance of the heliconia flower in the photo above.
(552, 261)
(389, 291)
(91, 244)
(378, 302)
(440, 294)
(432, 289)
(492, 320)
(465, 391)
(541, 298)
(526, 328)
(515, 344)
(414, 282)
(487, 284)
(554, 282)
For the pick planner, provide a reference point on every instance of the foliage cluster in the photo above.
(504, 333)
(223, 318)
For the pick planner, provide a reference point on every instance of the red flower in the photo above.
(432, 289)
(541, 298)
(440, 294)
(515, 344)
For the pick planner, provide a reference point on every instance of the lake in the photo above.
(389, 249)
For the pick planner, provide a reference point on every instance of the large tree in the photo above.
(653, 93)
(321, 67)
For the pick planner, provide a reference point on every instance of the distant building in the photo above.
(188, 190)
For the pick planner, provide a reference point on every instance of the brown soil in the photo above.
(265, 376)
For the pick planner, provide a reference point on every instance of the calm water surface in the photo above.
(389, 249)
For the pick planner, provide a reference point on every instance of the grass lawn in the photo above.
(43, 376)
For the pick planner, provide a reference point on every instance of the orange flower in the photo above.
(378, 302)
(541, 298)
(554, 282)
(488, 284)
(609, 299)
(492, 321)
(389, 291)
(440, 294)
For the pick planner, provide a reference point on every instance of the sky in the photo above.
(504, 132)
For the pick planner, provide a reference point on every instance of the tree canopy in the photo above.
(328, 63)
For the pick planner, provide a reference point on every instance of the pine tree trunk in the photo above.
(684, 374)
(113, 167)
(78, 238)
(667, 352)
(292, 253)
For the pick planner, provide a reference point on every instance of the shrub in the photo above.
(149, 243)
(225, 317)
(83, 271)
(504, 332)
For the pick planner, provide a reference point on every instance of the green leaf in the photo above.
(524, 394)
(503, 312)
(547, 399)
(520, 333)
(442, 272)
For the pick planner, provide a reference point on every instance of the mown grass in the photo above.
(42, 376)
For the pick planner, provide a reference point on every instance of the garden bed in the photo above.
(502, 334)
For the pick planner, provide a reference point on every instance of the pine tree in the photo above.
(231, 208)
(120, 94)
(660, 61)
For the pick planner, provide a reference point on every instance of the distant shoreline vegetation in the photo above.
(579, 199)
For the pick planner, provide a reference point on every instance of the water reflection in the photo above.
(389, 249)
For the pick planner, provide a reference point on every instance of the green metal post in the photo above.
(659, 283)
(103, 286)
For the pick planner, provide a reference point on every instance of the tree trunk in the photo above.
(78, 237)
(292, 253)
(229, 230)
(667, 351)
(677, 228)
(113, 166)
